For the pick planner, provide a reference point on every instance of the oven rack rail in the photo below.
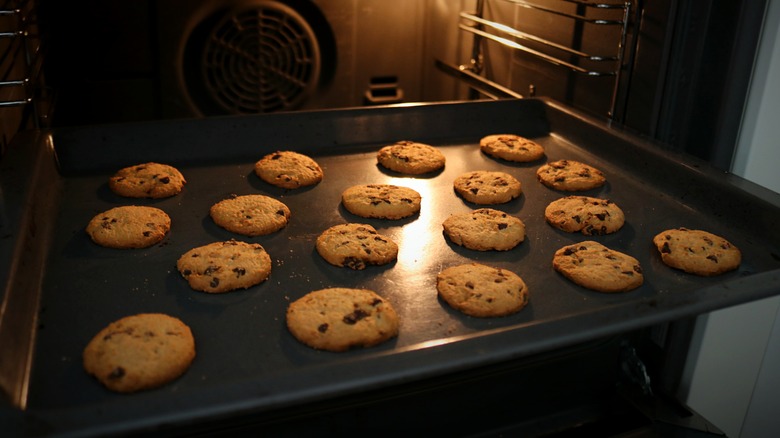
(21, 58)
(482, 28)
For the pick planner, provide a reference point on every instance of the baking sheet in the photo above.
(248, 362)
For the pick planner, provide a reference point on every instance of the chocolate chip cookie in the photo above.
(570, 175)
(225, 266)
(487, 187)
(338, 319)
(355, 246)
(411, 157)
(485, 229)
(381, 201)
(594, 266)
(511, 147)
(251, 215)
(148, 180)
(288, 170)
(697, 252)
(140, 352)
(585, 214)
(129, 226)
(482, 291)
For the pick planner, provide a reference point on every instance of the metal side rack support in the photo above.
(20, 55)
(609, 14)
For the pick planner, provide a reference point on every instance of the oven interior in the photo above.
(638, 65)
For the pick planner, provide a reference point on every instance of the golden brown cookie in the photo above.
(697, 252)
(594, 266)
(584, 214)
(411, 157)
(511, 147)
(140, 352)
(225, 266)
(130, 226)
(381, 201)
(250, 215)
(148, 180)
(482, 291)
(338, 319)
(355, 246)
(485, 229)
(289, 170)
(487, 187)
(570, 175)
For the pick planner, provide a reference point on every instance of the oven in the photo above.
(212, 85)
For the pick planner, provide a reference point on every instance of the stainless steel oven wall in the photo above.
(683, 75)
(129, 60)
(367, 52)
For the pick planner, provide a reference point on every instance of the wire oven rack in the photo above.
(20, 55)
(587, 13)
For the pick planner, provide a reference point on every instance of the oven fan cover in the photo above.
(258, 57)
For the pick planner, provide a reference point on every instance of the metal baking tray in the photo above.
(60, 288)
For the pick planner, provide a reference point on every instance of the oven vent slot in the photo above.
(580, 13)
(383, 90)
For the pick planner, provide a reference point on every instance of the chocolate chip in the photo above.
(713, 257)
(355, 316)
(665, 249)
(214, 282)
(354, 263)
(322, 328)
(239, 272)
(165, 180)
(117, 373)
(559, 164)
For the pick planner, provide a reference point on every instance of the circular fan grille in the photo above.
(260, 59)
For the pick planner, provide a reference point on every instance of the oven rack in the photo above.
(483, 29)
(21, 57)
